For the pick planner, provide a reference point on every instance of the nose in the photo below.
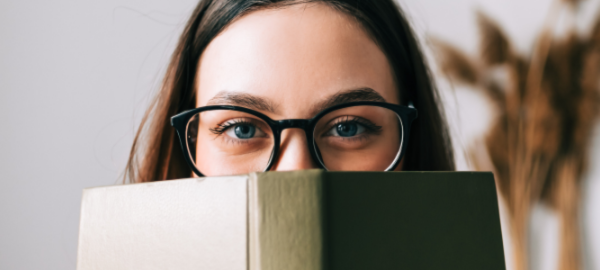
(294, 153)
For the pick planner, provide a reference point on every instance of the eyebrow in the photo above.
(244, 100)
(360, 94)
(262, 104)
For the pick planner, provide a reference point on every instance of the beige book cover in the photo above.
(295, 220)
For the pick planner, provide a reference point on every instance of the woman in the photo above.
(292, 84)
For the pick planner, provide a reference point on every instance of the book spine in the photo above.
(285, 221)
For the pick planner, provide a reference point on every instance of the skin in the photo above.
(294, 59)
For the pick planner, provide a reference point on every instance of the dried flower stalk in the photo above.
(546, 110)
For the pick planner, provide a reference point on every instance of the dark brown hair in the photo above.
(161, 158)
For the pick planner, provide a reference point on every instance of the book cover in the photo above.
(295, 220)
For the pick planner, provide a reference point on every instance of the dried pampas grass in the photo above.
(538, 144)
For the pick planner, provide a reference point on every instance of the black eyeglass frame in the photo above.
(407, 116)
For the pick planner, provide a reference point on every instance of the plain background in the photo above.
(76, 77)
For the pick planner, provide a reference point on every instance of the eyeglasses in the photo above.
(357, 136)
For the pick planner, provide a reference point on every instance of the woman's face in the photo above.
(287, 63)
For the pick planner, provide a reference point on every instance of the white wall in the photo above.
(75, 78)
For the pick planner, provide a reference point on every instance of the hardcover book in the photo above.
(295, 220)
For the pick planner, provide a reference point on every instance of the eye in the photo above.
(244, 131)
(347, 129)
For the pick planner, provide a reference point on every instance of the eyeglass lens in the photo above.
(359, 138)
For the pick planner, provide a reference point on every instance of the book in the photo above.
(295, 220)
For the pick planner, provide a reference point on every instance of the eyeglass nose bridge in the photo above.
(293, 123)
(304, 124)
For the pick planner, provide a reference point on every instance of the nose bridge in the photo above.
(294, 149)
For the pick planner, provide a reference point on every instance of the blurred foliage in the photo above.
(546, 104)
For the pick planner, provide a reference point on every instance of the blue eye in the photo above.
(243, 131)
(349, 129)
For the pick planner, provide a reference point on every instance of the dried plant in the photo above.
(547, 104)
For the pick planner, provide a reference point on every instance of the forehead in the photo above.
(295, 56)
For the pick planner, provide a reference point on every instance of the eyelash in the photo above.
(221, 128)
(369, 126)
